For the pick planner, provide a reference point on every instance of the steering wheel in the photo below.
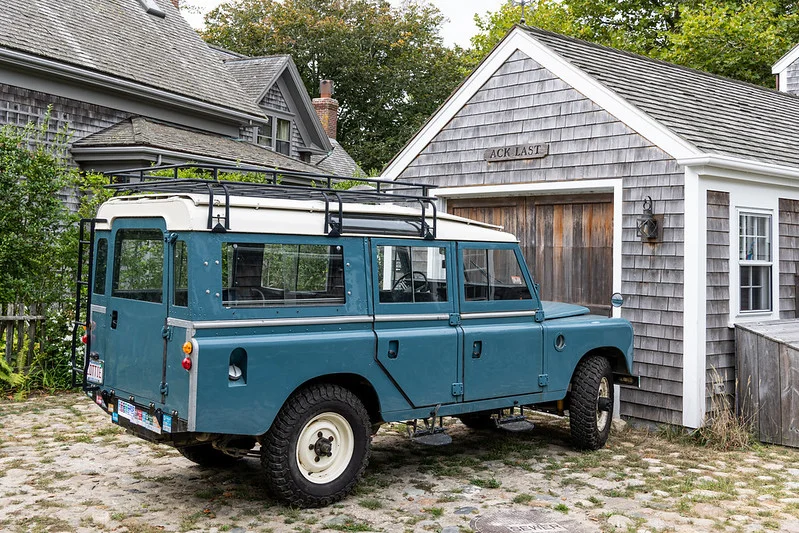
(414, 281)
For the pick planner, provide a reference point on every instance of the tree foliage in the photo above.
(733, 38)
(390, 67)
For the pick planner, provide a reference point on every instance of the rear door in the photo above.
(136, 310)
(418, 341)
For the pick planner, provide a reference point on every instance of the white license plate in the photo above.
(94, 374)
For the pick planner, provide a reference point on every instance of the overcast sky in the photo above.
(457, 30)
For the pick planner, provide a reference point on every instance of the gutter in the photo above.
(57, 68)
(742, 165)
(109, 153)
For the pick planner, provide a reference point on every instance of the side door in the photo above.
(502, 342)
(418, 341)
(137, 308)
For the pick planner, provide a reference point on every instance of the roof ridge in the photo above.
(256, 58)
(534, 30)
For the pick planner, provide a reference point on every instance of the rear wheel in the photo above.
(318, 446)
(591, 403)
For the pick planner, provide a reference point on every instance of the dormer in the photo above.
(787, 71)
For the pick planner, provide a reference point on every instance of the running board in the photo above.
(431, 434)
(515, 423)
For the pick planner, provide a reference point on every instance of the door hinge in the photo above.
(166, 332)
(543, 380)
(457, 389)
(454, 319)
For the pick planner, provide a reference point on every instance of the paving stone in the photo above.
(660, 493)
(773, 466)
(620, 522)
(466, 510)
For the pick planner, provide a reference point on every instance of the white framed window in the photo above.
(755, 262)
(283, 136)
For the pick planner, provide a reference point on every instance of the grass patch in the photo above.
(562, 508)
(350, 525)
(370, 503)
(522, 498)
(486, 483)
(434, 511)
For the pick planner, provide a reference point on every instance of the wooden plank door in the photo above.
(574, 250)
(567, 241)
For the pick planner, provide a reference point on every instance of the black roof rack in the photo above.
(275, 183)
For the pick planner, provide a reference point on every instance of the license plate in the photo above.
(94, 374)
(139, 417)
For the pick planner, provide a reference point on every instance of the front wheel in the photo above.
(591, 404)
(318, 446)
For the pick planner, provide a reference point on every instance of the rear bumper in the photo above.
(146, 422)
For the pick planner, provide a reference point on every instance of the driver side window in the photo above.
(412, 274)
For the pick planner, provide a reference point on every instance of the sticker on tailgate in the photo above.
(138, 417)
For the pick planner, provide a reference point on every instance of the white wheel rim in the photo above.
(604, 392)
(325, 448)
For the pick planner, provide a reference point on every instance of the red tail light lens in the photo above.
(186, 363)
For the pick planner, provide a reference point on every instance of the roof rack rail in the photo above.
(215, 181)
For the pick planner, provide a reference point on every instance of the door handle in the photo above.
(477, 349)
(114, 317)
(393, 349)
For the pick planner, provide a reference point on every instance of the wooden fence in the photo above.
(16, 323)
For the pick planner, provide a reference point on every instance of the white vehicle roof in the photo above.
(189, 212)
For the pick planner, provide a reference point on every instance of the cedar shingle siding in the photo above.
(19, 106)
(720, 338)
(789, 255)
(525, 103)
(793, 77)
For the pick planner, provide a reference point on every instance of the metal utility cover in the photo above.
(529, 521)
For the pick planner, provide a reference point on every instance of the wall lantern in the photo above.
(649, 225)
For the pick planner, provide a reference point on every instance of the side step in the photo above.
(515, 423)
(431, 434)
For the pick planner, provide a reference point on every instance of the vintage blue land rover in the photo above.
(290, 319)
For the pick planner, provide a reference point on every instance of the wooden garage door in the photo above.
(566, 240)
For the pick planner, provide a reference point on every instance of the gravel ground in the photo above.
(65, 467)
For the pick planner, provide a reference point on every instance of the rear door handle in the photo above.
(114, 317)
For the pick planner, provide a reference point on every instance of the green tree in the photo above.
(390, 66)
(733, 38)
(738, 41)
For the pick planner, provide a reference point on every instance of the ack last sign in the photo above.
(519, 151)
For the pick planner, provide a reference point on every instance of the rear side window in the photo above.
(272, 274)
(100, 266)
(493, 274)
(180, 274)
(138, 265)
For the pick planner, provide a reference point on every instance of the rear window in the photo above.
(100, 266)
(272, 274)
(139, 265)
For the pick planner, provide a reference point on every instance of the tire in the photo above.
(591, 403)
(479, 421)
(207, 456)
(318, 446)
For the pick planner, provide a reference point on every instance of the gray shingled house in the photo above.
(135, 85)
(565, 143)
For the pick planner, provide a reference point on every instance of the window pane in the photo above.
(755, 288)
(265, 133)
(101, 262)
(283, 137)
(180, 263)
(411, 274)
(138, 265)
(259, 275)
(493, 275)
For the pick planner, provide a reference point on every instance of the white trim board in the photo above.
(786, 60)
(519, 39)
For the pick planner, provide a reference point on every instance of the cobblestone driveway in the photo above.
(65, 467)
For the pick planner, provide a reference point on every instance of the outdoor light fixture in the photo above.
(648, 225)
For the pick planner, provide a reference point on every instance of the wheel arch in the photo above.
(359, 385)
(618, 363)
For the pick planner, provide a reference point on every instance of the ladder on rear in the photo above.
(81, 328)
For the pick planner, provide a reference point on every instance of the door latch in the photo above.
(166, 332)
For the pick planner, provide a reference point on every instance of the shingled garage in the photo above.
(674, 187)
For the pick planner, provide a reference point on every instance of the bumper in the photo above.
(146, 422)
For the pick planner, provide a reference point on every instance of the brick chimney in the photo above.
(327, 108)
